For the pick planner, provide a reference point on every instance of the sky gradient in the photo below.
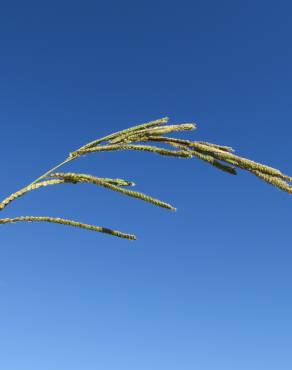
(207, 287)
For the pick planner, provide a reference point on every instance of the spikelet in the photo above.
(20, 193)
(209, 159)
(221, 147)
(145, 148)
(123, 132)
(167, 140)
(187, 143)
(266, 173)
(117, 182)
(241, 162)
(210, 153)
(77, 177)
(66, 222)
(162, 130)
(275, 181)
(25, 190)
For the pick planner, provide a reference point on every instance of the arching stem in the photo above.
(69, 159)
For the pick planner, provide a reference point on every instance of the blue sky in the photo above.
(208, 287)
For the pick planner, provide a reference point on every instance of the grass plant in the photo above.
(144, 137)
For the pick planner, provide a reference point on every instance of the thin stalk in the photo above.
(69, 159)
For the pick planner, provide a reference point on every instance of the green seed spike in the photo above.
(63, 221)
(162, 130)
(21, 192)
(77, 177)
(221, 147)
(241, 162)
(167, 140)
(27, 189)
(275, 181)
(145, 148)
(209, 159)
(187, 143)
(126, 131)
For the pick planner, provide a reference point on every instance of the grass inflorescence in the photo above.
(147, 137)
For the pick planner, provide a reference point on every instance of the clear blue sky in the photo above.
(207, 288)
